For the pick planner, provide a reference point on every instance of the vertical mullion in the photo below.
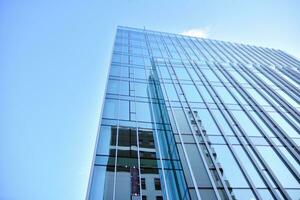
(283, 58)
(279, 81)
(229, 58)
(252, 146)
(264, 133)
(182, 143)
(226, 138)
(274, 178)
(213, 50)
(273, 94)
(263, 51)
(287, 71)
(240, 140)
(287, 106)
(187, 42)
(262, 55)
(288, 57)
(205, 142)
(248, 54)
(272, 144)
(265, 60)
(199, 50)
(117, 144)
(155, 127)
(284, 138)
(137, 137)
(271, 103)
(233, 54)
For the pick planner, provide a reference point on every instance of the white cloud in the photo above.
(196, 32)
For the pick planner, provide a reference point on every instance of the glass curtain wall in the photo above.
(192, 118)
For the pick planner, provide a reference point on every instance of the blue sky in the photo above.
(54, 57)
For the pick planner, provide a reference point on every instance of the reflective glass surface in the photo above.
(192, 118)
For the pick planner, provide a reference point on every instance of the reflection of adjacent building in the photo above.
(134, 179)
(195, 121)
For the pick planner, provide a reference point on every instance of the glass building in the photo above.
(190, 118)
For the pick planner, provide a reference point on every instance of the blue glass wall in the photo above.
(193, 118)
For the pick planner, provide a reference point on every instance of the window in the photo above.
(144, 197)
(182, 73)
(246, 123)
(210, 76)
(181, 121)
(136, 51)
(164, 73)
(247, 163)
(171, 92)
(237, 77)
(143, 112)
(284, 124)
(206, 96)
(140, 89)
(137, 73)
(193, 74)
(159, 198)
(136, 60)
(278, 167)
(119, 71)
(219, 117)
(262, 124)
(191, 93)
(157, 185)
(118, 87)
(225, 95)
(197, 166)
(111, 109)
(207, 121)
(97, 189)
(104, 140)
(256, 96)
(243, 194)
(231, 170)
(143, 184)
(207, 194)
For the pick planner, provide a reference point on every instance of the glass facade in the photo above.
(192, 118)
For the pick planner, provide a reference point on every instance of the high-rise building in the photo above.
(192, 118)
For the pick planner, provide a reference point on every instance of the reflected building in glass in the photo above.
(190, 118)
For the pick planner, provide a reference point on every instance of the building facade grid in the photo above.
(195, 118)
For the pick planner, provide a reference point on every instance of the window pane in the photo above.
(181, 121)
(281, 171)
(284, 124)
(118, 87)
(111, 107)
(243, 194)
(143, 112)
(225, 127)
(225, 95)
(191, 93)
(182, 73)
(207, 121)
(210, 75)
(206, 96)
(140, 89)
(231, 170)
(104, 140)
(248, 165)
(97, 186)
(171, 92)
(246, 123)
(197, 165)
